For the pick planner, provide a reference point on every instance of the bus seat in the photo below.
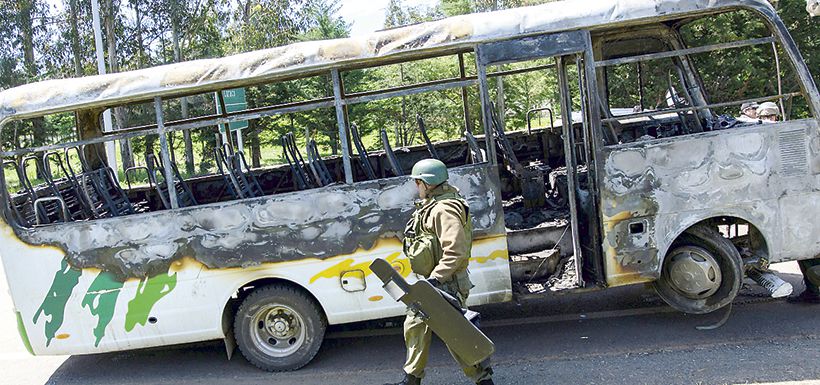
(66, 187)
(395, 165)
(100, 187)
(476, 151)
(301, 179)
(185, 197)
(364, 158)
(49, 206)
(235, 169)
(317, 164)
(423, 129)
(22, 203)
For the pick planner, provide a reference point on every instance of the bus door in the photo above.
(564, 62)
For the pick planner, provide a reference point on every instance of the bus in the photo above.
(643, 174)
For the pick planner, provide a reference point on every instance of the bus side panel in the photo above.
(668, 185)
(94, 286)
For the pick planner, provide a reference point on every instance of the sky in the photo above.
(368, 15)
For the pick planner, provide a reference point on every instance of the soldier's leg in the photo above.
(811, 274)
(476, 373)
(417, 337)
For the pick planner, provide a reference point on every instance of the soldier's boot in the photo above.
(810, 295)
(486, 382)
(409, 379)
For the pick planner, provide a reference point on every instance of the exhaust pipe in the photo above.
(776, 286)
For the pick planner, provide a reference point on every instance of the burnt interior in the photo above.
(532, 165)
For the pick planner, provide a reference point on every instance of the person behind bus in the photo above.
(811, 278)
(768, 112)
(748, 112)
(442, 213)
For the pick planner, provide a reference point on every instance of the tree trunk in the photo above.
(26, 28)
(113, 66)
(75, 38)
(186, 134)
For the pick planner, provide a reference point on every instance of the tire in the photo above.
(279, 328)
(701, 273)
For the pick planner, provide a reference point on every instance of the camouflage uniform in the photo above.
(444, 214)
(811, 275)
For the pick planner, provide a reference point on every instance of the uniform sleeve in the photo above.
(447, 224)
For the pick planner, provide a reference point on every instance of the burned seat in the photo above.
(156, 179)
(364, 157)
(66, 187)
(392, 160)
(301, 178)
(242, 183)
(99, 186)
(317, 164)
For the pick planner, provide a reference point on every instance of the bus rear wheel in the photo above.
(701, 273)
(279, 328)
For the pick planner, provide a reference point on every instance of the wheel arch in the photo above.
(758, 239)
(242, 291)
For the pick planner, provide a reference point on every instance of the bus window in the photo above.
(659, 81)
(409, 125)
(752, 72)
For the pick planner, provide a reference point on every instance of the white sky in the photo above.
(368, 15)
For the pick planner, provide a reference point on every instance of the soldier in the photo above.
(440, 228)
(768, 112)
(748, 112)
(811, 277)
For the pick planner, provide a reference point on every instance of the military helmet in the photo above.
(746, 106)
(768, 109)
(431, 171)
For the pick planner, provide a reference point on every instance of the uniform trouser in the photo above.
(811, 274)
(418, 336)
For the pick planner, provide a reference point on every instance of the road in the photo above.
(617, 336)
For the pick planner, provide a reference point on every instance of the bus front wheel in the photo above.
(279, 328)
(701, 273)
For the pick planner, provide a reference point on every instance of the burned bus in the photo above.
(593, 141)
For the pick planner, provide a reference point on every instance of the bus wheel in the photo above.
(701, 273)
(279, 328)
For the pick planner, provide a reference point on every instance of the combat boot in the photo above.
(486, 382)
(409, 379)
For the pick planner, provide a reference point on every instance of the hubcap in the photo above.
(277, 330)
(694, 272)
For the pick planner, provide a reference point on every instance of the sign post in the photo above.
(234, 102)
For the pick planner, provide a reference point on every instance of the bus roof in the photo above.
(60, 95)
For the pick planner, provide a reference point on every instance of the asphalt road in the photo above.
(618, 336)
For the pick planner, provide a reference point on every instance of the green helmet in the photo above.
(431, 171)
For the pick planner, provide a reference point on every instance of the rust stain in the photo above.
(617, 218)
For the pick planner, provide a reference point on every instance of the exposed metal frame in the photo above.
(704, 107)
(165, 153)
(341, 120)
(685, 51)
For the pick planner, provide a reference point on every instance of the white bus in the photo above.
(670, 190)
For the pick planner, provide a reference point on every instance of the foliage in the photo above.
(39, 41)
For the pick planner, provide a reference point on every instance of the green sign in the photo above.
(234, 102)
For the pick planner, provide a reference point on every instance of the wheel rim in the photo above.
(277, 330)
(694, 272)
